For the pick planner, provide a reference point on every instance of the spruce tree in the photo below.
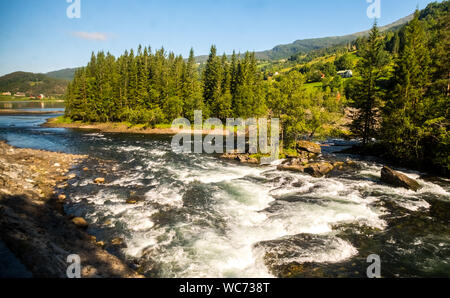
(367, 94)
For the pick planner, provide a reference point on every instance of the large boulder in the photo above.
(309, 147)
(319, 169)
(291, 167)
(395, 178)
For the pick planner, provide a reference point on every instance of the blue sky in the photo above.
(38, 36)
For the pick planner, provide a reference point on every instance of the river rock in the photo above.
(291, 167)
(62, 197)
(395, 178)
(99, 180)
(242, 158)
(318, 169)
(80, 222)
(309, 147)
(118, 241)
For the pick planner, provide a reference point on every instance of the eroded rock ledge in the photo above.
(33, 224)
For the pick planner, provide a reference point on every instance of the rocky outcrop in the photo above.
(309, 147)
(398, 179)
(319, 169)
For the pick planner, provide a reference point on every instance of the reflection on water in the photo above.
(32, 105)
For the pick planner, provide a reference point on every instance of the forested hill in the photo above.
(65, 74)
(32, 84)
(305, 46)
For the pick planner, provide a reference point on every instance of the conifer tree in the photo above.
(367, 94)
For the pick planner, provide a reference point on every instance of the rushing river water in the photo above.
(204, 217)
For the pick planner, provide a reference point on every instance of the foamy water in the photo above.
(211, 215)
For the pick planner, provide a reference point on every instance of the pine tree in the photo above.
(367, 95)
(212, 81)
(192, 94)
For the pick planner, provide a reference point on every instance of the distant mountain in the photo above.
(32, 84)
(307, 45)
(65, 74)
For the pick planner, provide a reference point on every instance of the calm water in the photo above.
(204, 217)
(32, 105)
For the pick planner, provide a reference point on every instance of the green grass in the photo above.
(62, 120)
(312, 86)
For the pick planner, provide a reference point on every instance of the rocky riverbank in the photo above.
(33, 224)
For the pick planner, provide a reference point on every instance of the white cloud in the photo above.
(91, 36)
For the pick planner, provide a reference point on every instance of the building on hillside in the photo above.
(20, 94)
(6, 93)
(345, 73)
(41, 97)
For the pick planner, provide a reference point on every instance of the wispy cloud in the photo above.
(91, 36)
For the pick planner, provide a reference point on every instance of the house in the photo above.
(19, 94)
(41, 97)
(345, 73)
(6, 93)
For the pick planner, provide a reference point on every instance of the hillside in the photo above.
(65, 74)
(307, 45)
(31, 83)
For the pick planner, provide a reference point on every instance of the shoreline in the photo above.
(33, 223)
(112, 127)
(6, 112)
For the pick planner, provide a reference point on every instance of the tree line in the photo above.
(155, 88)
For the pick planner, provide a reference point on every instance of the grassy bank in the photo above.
(127, 127)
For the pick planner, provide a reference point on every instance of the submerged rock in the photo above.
(135, 198)
(398, 179)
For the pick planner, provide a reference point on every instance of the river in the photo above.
(204, 217)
